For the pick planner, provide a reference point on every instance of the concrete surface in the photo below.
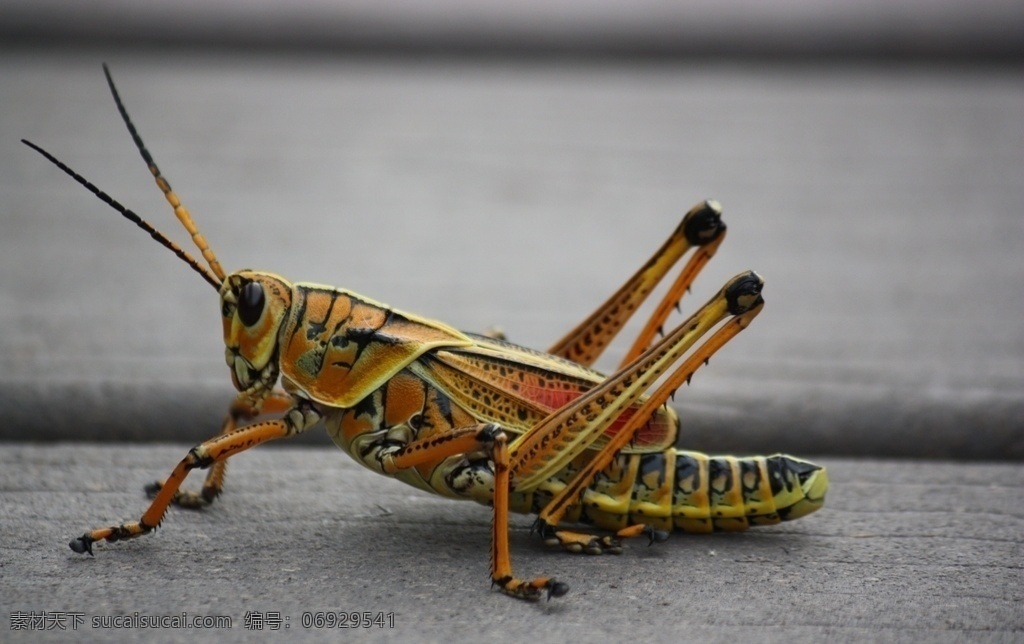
(903, 551)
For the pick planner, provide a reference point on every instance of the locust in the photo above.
(474, 416)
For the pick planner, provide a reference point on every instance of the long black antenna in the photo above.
(131, 216)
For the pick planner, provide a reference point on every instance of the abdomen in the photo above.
(691, 492)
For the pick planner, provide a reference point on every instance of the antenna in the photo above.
(179, 210)
(214, 280)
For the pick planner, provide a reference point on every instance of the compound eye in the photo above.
(250, 303)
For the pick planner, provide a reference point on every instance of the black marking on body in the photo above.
(802, 469)
(361, 336)
(750, 466)
(777, 475)
(367, 406)
(314, 328)
(300, 315)
(687, 469)
(719, 469)
(752, 492)
(651, 464)
(444, 406)
(340, 342)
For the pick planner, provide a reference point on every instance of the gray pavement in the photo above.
(903, 551)
(882, 205)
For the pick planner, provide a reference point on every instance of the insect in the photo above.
(472, 416)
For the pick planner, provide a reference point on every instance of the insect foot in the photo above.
(590, 544)
(82, 545)
(654, 535)
(531, 590)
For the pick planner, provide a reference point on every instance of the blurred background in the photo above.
(511, 164)
(803, 29)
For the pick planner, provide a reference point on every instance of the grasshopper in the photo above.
(472, 416)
